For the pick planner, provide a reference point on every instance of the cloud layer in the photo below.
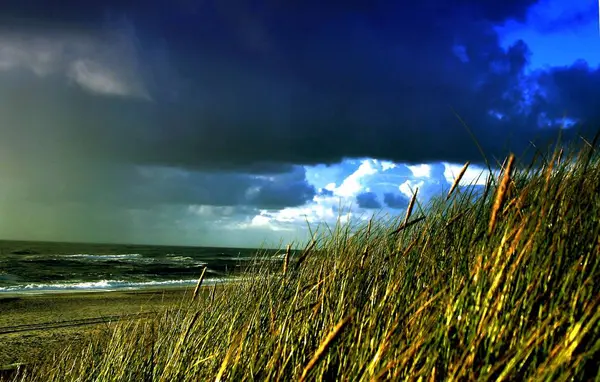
(266, 90)
(198, 112)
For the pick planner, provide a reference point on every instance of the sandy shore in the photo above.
(35, 325)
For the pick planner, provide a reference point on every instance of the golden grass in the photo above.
(324, 345)
(199, 283)
(460, 297)
(461, 173)
(501, 193)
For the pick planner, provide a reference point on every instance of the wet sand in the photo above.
(33, 326)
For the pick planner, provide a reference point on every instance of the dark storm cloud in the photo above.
(573, 91)
(285, 190)
(233, 95)
(395, 200)
(325, 192)
(231, 85)
(227, 189)
(368, 200)
(130, 187)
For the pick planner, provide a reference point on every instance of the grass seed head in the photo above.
(501, 193)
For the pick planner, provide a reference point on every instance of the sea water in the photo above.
(45, 267)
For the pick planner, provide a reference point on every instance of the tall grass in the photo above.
(498, 285)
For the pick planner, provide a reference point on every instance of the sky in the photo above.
(238, 123)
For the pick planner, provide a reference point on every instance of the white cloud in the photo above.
(474, 175)
(290, 224)
(212, 211)
(429, 179)
(386, 165)
(409, 187)
(97, 78)
(367, 175)
(421, 170)
(355, 183)
(102, 63)
(261, 220)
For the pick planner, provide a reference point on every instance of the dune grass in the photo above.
(499, 283)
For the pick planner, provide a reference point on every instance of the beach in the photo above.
(35, 325)
(54, 295)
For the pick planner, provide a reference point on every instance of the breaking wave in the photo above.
(102, 285)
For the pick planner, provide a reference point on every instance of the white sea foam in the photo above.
(135, 258)
(87, 256)
(102, 285)
(174, 257)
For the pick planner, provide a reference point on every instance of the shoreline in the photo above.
(105, 286)
(77, 291)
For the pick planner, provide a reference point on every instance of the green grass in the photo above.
(442, 299)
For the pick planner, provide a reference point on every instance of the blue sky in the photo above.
(558, 45)
(237, 123)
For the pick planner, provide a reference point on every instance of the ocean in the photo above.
(46, 267)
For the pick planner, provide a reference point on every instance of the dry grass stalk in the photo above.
(366, 251)
(559, 158)
(234, 346)
(199, 284)
(400, 251)
(457, 216)
(212, 293)
(501, 193)
(189, 327)
(410, 247)
(410, 206)
(223, 367)
(179, 344)
(324, 346)
(550, 168)
(404, 226)
(286, 259)
(382, 348)
(457, 180)
(306, 253)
